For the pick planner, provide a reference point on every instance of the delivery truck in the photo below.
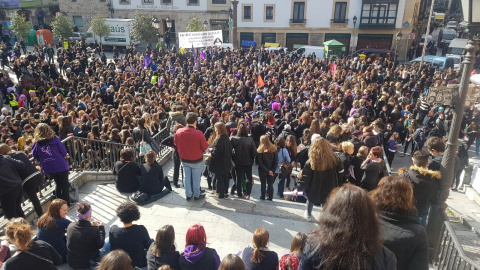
(120, 34)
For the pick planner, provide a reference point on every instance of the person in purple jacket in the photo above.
(196, 255)
(51, 153)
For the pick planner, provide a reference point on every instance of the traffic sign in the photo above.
(411, 36)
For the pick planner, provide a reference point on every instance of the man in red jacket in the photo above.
(191, 144)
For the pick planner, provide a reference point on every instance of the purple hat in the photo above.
(356, 133)
(10, 89)
(276, 106)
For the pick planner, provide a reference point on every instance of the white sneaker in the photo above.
(307, 217)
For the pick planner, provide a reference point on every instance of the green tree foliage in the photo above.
(61, 27)
(142, 28)
(21, 27)
(195, 25)
(99, 26)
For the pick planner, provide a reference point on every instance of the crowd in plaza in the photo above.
(340, 121)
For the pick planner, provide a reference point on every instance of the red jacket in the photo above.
(190, 144)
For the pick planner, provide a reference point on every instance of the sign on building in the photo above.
(200, 39)
(448, 95)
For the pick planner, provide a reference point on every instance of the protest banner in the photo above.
(200, 39)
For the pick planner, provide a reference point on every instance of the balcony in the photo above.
(298, 21)
(339, 21)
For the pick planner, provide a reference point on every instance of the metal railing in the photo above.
(338, 20)
(449, 251)
(298, 20)
(94, 155)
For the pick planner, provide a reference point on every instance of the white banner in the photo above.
(200, 39)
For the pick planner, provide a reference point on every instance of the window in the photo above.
(378, 15)
(298, 12)
(247, 13)
(168, 2)
(340, 12)
(269, 13)
(219, 2)
(147, 1)
(192, 2)
(102, 0)
(78, 21)
(123, 2)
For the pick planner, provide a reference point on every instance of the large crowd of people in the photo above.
(226, 111)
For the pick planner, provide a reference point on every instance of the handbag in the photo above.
(286, 167)
(144, 146)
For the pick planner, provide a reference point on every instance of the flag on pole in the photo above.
(133, 69)
(146, 61)
(202, 55)
(260, 81)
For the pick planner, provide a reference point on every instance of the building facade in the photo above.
(312, 22)
(215, 12)
(38, 12)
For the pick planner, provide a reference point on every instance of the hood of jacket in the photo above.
(173, 114)
(46, 141)
(191, 256)
(426, 172)
(399, 216)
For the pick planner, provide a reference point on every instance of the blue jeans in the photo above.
(192, 173)
(281, 183)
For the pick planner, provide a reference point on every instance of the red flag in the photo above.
(260, 81)
(333, 68)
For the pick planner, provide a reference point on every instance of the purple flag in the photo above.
(172, 69)
(146, 61)
(202, 55)
(133, 69)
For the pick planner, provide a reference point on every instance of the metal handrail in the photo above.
(449, 253)
(338, 20)
(298, 20)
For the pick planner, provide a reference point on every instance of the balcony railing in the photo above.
(338, 20)
(298, 20)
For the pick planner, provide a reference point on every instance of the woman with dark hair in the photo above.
(402, 232)
(84, 239)
(133, 239)
(221, 160)
(51, 153)
(321, 173)
(348, 235)
(52, 226)
(259, 257)
(66, 127)
(244, 156)
(369, 138)
(283, 156)
(140, 134)
(232, 262)
(374, 168)
(162, 251)
(126, 171)
(115, 260)
(196, 254)
(31, 254)
(291, 260)
(291, 146)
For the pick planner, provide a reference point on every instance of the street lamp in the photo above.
(471, 13)
(156, 23)
(169, 23)
(354, 37)
(354, 21)
(398, 37)
(205, 24)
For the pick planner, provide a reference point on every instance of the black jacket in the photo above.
(357, 143)
(83, 242)
(25, 261)
(9, 176)
(152, 179)
(373, 172)
(170, 258)
(244, 150)
(29, 168)
(257, 130)
(267, 162)
(406, 238)
(321, 183)
(221, 161)
(425, 186)
(269, 261)
(127, 173)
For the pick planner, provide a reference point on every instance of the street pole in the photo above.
(437, 211)
(426, 33)
(234, 27)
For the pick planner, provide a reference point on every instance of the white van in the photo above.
(457, 46)
(306, 50)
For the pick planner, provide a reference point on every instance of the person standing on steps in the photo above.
(191, 144)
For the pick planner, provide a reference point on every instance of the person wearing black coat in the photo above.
(374, 169)
(221, 160)
(84, 239)
(267, 160)
(126, 171)
(11, 187)
(153, 182)
(244, 152)
(401, 230)
(31, 177)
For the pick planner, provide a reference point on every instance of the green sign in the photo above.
(109, 39)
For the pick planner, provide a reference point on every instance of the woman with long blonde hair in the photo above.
(267, 160)
(51, 153)
(321, 174)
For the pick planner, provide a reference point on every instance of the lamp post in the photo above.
(110, 8)
(398, 37)
(354, 37)
(437, 211)
(205, 25)
(156, 25)
(168, 23)
(234, 27)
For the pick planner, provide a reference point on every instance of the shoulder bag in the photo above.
(286, 167)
